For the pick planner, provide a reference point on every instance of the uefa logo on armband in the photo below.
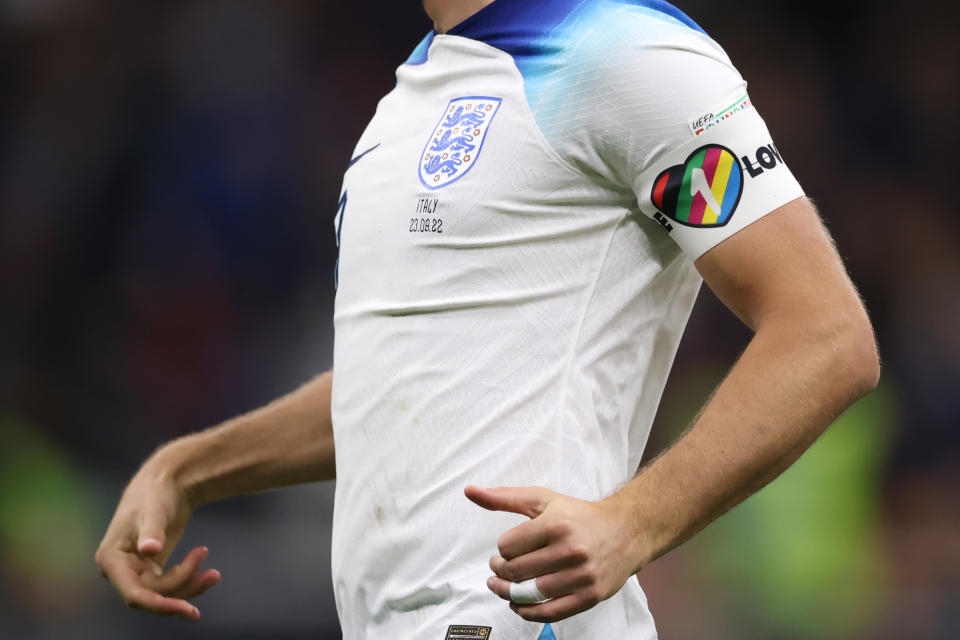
(455, 144)
(703, 191)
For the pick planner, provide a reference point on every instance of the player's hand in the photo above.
(579, 552)
(146, 527)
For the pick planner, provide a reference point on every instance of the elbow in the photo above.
(859, 359)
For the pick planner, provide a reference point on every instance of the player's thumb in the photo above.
(152, 532)
(528, 501)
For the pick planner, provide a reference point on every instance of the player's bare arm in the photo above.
(812, 355)
(289, 441)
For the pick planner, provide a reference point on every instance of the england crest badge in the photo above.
(455, 144)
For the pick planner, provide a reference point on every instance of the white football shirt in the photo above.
(517, 233)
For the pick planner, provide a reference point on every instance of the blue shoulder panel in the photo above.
(419, 55)
(667, 9)
(539, 35)
(522, 28)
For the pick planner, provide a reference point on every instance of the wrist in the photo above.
(641, 532)
(174, 462)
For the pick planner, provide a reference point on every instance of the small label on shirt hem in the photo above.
(464, 632)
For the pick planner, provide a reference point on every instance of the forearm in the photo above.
(289, 441)
(785, 390)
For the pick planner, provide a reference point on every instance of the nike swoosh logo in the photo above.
(357, 159)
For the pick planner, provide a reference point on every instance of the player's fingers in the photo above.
(563, 583)
(528, 501)
(552, 585)
(176, 577)
(112, 562)
(152, 527)
(153, 602)
(554, 610)
(524, 538)
(103, 558)
(197, 585)
(137, 596)
(527, 591)
(499, 586)
(538, 562)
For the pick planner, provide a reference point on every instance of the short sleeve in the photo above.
(725, 175)
(658, 109)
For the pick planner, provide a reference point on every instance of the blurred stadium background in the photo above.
(169, 173)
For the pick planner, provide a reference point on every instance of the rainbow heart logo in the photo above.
(703, 191)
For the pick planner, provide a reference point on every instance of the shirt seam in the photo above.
(571, 356)
(528, 113)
